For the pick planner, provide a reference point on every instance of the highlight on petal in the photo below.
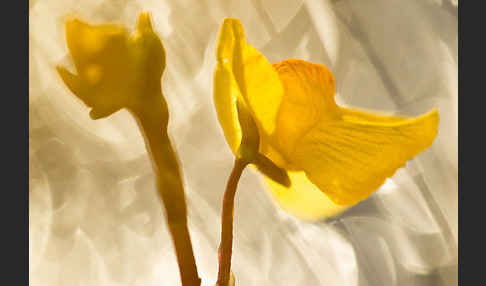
(225, 94)
(243, 72)
(348, 160)
(303, 199)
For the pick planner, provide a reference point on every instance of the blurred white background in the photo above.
(95, 218)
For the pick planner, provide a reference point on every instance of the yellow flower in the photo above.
(334, 156)
(115, 69)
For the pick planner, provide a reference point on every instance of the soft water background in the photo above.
(94, 215)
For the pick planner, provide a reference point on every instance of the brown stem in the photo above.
(225, 247)
(152, 120)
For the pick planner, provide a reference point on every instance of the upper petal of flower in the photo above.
(243, 73)
(226, 93)
(88, 43)
(308, 99)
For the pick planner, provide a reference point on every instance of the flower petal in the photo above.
(72, 81)
(349, 159)
(245, 73)
(309, 97)
(103, 64)
(88, 43)
(303, 199)
(225, 94)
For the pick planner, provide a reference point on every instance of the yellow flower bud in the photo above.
(115, 69)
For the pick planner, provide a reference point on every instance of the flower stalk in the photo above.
(152, 121)
(226, 244)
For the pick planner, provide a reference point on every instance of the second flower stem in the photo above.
(153, 120)
(226, 244)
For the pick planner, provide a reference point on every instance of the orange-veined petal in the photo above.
(347, 153)
(309, 98)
